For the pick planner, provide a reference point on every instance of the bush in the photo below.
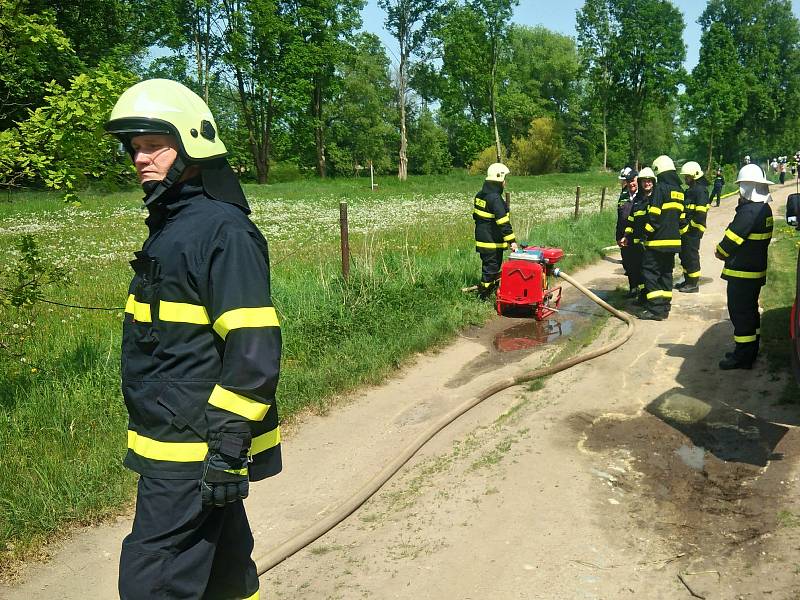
(487, 156)
(539, 152)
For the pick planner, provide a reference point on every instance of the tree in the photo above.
(597, 36)
(409, 22)
(714, 100)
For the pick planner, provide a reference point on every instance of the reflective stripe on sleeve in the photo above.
(503, 220)
(744, 274)
(493, 245)
(483, 213)
(721, 250)
(701, 208)
(760, 236)
(733, 237)
(238, 404)
(238, 318)
(684, 230)
(172, 451)
(649, 227)
(265, 441)
(139, 310)
(697, 225)
(672, 206)
(510, 237)
(183, 312)
(654, 210)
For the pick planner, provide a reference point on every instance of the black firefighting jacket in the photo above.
(695, 209)
(662, 229)
(200, 341)
(635, 231)
(746, 242)
(624, 206)
(719, 183)
(492, 220)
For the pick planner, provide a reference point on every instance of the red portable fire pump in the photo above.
(524, 281)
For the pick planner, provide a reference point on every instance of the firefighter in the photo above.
(744, 249)
(634, 231)
(694, 225)
(201, 350)
(627, 177)
(716, 192)
(662, 239)
(493, 231)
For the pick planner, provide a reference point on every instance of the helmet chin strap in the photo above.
(154, 192)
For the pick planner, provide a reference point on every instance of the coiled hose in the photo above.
(320, 528)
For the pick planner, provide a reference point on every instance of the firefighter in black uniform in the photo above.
(493, 231)
(744, 249)
(200, 356)
(624, 206)
(693, 226)
(634, 231)
(719, 183)
(662, 239)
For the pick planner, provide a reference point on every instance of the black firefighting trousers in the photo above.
(717, 193)
(690, 259)
(179, 550)
(490, 271)
(632, 263)
(657, 275)
(743, 310)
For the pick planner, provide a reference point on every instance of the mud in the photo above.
(706, 478)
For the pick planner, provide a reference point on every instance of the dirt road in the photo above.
(646, 473)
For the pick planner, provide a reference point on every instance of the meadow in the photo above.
(62, 419)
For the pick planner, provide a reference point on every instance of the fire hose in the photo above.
(321, 527)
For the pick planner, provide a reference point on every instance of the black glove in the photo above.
(225, 476)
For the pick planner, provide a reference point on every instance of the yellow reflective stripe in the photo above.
(253, 597)
(744, 274)
(701, 208)
(640, 213)
(721, 250)
(672, 206)
(695, 274)
(172, 451)
(697, 225)
(510, 237)
(760, 236)
(182, 312)
(139, 310)
(265, 441)
(659, 294)
(237, 404)
(676, 195)
(636, 240)
(236, 471)
(480, 202)
(662, 243)
(733, 237)
(640, 286)
(629, 230)
(769, 221)
(503, 220)
(483, 213)
(654, 210)
(684, 230)
(649, 227)
(491, 245)
(744, 339)
(729, 194)
(238, 318)
(690, 206)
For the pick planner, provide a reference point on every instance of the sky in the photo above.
(560, 16)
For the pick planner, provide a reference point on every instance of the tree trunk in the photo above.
(605, 138)
(710, 152)
(402, 167)
(492, 96)
(319, 134)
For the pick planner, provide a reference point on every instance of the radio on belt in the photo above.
(524, 280)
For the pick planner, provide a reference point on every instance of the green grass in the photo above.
(62, 419)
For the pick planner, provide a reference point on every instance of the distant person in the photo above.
(744, 249)
(782, 172)
(662, 240)
(201, 349)
(719, 183)
(627, 177)
(493, 231)
(774, 165)
(694, 225)
(635, 230)
(747, 159)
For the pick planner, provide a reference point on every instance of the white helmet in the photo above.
(497, 172)
(752, 184)
(647, 173)
(692, 169)
(662, 164)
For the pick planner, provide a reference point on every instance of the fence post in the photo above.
(577, 200)
(508, 201)
(345, 237)
(602, 198)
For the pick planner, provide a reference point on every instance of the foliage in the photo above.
(428, 146)
(33, 52)
(62, 143)
(539, 152)
(486, 157)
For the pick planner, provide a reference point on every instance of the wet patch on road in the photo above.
(700, 475)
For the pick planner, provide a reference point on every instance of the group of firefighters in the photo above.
(657, 219)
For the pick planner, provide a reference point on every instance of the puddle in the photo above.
(693, 457)
(531, 334)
